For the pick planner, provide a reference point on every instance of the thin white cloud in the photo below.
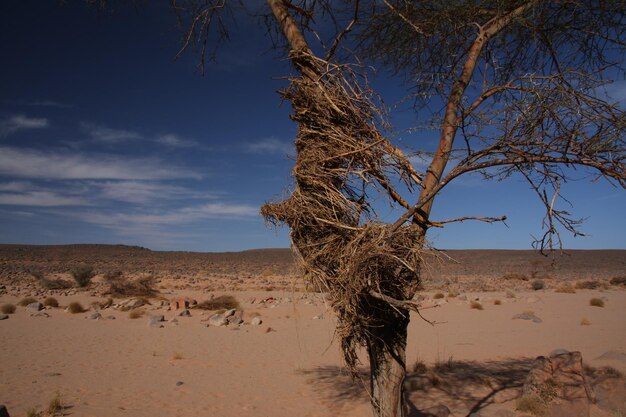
(29, 163)
(19, 122)
(145, 191)
(15, 186)
(270, 146)
(106, 134)
(40, 199)
(175, 141)
(38, 103)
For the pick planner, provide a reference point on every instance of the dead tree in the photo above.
(520, 83)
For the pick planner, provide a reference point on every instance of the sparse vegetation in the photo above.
(510, 294)
(177, 356)
(585, 322)
(531, 404)
(596, 302)
(566, 289)
(453, 294)
(618, 280)
(516, 276)
(438, 296)
(136, 313)
(7, 308)
(143, 286)
(419, 367)
(55, 405)
(497, 302)
(224, 302)
(75, 307)
(587, 285)
(82, 274)
(106, 303)
(538, 284)
(51, 302)
(26, 301)
(476, 305)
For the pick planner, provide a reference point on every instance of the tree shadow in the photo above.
(463, 386)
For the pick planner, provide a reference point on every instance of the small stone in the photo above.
(256, 321)
(531, 300)
(269, 329)
(229, 313)
(235, 320)
(40, 314)
(3, 411)
(37, 306)
(527, 316)
(613, 355)
(53, 374)
(504, 413)
(320, 317)
(179, 383)
(95, 316)
(110, 317)
(184, 313)
(557, 352)
(173, 320)
(4, 316)
(158, 317)
(218, 320)
(156, 321)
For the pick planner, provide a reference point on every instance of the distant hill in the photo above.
(448, 267)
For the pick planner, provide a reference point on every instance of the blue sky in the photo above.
(105, 138)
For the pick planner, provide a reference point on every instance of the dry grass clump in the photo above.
(26, 301)
(531, 404)
(438, 296)
(55, 405)
(50, 284)
(566, 289)
(51, 302)
(497, 302)
(419, 367)
(476, 305)
(177, 356)
(75, 307)
(596, 302)
(82, 274)
(585, 322)
(119, 286)
(588, 285)
(222, 302)
(7, 308)
(618, 280)
(453, 294)
(136, 313)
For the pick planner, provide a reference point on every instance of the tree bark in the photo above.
(387, 354)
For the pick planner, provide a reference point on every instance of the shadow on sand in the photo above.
(463, 386)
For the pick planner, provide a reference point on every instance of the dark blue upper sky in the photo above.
(105, 138)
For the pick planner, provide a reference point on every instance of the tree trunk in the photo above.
(386, 349)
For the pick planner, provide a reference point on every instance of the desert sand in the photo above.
(290, 364)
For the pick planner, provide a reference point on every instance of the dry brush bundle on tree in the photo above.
(520, 88)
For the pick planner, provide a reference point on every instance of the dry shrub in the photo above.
(75, 307)
(419, 367)
(339, 245)
(585, 322)
(223, 302)
(438, 296)
(26, 301)
(136, 313)
(510, 294)
(55, 405)
(618, 280)
(596, 302)
(105, 303)
(177, 356)
(476, 305)
(56, 284)
(497, 302)
(514, 275)
(587, 285)
(566, 289)
(82, 274)
(7, 308)
(141, 287)
(51, 302)
(453, 294)
(538, 285)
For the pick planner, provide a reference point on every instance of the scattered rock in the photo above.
(184, 313)
(532, 300)
(504, 413)
(218, 320)
(269, 329)
(320, 317)
(158, 317)
(3, 411)
(110, 317)
(235, 320)
(156, 321)
(173, 320)
(611, 395)
(4, 316)
(557, 352)
(37, 306)
(40, 314)
(559, 384)
(53, 374)
(95, 316)
(179, 383)
(133, 303)
(527, 316)
(256, 321)
(181, 303)
(437, 411)
(229, 313)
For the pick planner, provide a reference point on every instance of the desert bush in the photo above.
(26, 301)
(223, 302)
(136, 313)
(439, 295)
(497, 302)
(75, 307)
(37, 274)
(55, 405)
(419, 367)
(106, 303)
(618, 280)
(530, 404)
(515, 275)
(7, 308)
(453, 294)
(476, 305)
(140, 287)
(566, 288)
(82, 274)
(596, 302)
(51, 302)
(587, 285)
(585, 322)
(538, 285)
(112, 275)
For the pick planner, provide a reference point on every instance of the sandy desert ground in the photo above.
(289, 364)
